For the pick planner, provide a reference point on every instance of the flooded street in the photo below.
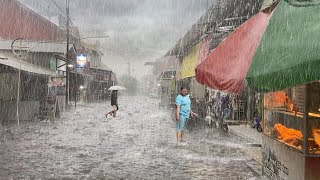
(138, 144)
(250, 68)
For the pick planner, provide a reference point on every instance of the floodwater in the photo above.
(138, 144)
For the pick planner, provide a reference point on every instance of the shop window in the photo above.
(283, 116)
(313, 126)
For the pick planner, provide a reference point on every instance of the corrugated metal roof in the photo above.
(215, 17)
(24, 66)
(17, 20)
(39, 46)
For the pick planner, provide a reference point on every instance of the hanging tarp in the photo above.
(226, 67)
(289, 52)
(189, 62)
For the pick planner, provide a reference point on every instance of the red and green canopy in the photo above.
(289, 52)
(284, 54)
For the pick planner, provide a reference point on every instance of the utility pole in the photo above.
(67, 56)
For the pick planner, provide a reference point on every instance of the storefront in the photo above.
(32, 89)
(98, 86)
(286, 68)
(291, 135)
(282, 63)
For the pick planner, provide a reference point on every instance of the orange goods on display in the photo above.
(288, 135)
(280, 97)
(316, 135)
(275, 99)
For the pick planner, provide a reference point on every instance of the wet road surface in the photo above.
(138, 144)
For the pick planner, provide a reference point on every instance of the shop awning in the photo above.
(283, 55)
(24, 66)
(36, 46)
(289, 52)
(226, 67)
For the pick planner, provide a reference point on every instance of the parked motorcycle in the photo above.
(256, 124)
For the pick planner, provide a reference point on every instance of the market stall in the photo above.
(291, 135)
(281, 60)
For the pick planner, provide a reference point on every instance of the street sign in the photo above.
(20, 47)
(82, 61)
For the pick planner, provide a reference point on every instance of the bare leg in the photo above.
(114, 113)
(181, 136)
(109, 113)
(178, 135)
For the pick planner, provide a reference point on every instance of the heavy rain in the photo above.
(167, 89)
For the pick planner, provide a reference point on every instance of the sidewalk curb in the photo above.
(256, 144)
(244, 137)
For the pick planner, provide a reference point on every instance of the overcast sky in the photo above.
(139, 30)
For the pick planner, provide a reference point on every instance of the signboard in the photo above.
(82, 61)
(57, 81)
(189, 62)
(280, 162)
(53, 64)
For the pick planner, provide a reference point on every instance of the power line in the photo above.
(56, 4)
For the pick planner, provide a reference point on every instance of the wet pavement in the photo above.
(254, 138)
(138, 144)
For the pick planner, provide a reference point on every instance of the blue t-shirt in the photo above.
(185, 105)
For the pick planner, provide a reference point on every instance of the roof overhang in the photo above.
(10, 60)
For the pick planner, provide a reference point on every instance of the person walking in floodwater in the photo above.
(114, 103)
(183, 113)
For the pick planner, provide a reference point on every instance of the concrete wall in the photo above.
(8, 86)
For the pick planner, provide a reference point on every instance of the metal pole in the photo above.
(19, 54)
(67, 56)
(18, 92)
(19, 82)
(75, 88)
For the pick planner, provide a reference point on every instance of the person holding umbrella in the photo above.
(114, 103)
(114, 100)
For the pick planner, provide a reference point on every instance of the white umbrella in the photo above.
(116, 88)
